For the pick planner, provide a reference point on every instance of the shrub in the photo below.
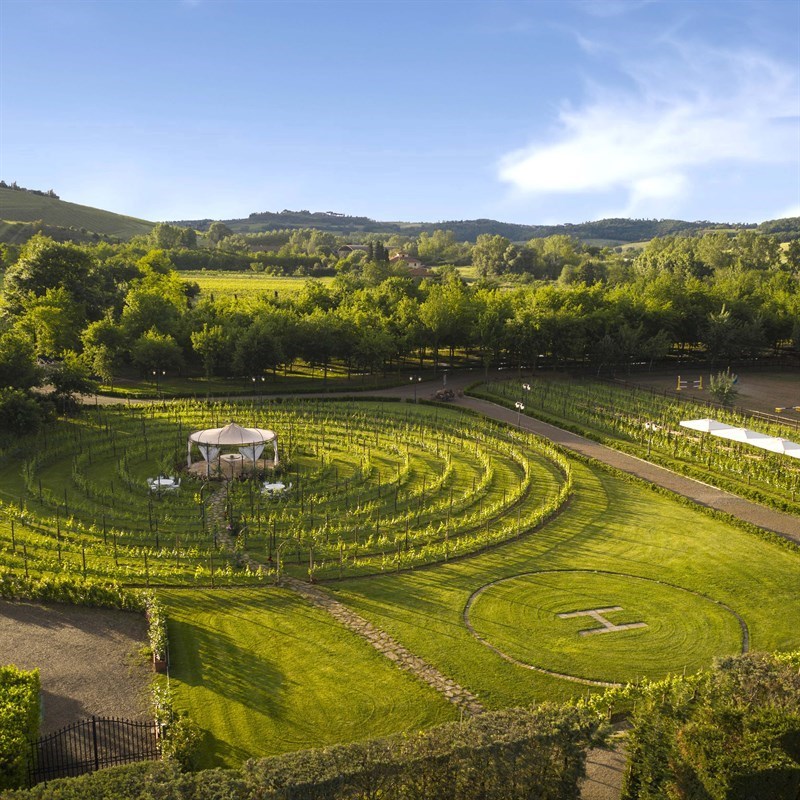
(19, 723)
(730, 733)
(69, 589)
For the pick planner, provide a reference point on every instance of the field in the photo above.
(477, 548)
(647, 423)
(244, 285)
(20, 206)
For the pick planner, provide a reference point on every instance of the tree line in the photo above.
(100, 308)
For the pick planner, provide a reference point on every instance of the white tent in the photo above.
(784, 446)
(773, 443)
(249, 443)
(707, 425)
(744, 435)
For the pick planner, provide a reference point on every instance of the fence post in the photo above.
(94, 743)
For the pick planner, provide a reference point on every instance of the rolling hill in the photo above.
(609, 232)
(22, 206)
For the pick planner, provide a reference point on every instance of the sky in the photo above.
(531, 112)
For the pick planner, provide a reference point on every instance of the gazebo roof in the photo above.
(232, 435)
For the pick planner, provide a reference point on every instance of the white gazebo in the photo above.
(230, 451)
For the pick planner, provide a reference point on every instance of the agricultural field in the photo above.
(375, 488)
(22, 206)
(645, 422)
(480, 549)
(247, 285)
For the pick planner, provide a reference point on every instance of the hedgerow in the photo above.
(19, 723)
(501, 755)
(728, 733)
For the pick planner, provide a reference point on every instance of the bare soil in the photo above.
(758, 391)
(90, 659)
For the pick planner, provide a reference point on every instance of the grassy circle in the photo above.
(519, 617)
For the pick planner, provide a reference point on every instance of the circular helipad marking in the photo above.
(602, 628)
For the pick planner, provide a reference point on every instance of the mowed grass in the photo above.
(223, 283)
(263, 672)
(521, 616)
(610, 525)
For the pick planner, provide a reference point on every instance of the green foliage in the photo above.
(19, 723)
(69, 589)
(722, 387)
(156, 625)
(725, 734)
(20, 414)
(505, 755)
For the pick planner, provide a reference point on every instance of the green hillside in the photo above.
(19, 205)
(605, 232)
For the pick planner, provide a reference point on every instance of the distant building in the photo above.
(410, 261)
(346, 249)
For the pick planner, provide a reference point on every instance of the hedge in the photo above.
(501, 755)
(19, 723)
(728, 733)
(69, 589)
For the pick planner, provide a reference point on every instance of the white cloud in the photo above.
(701, 109)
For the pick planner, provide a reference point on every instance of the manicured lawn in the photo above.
(263, 672)
(614, 526)
(521, 617)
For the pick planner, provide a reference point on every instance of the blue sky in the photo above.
(533, 112)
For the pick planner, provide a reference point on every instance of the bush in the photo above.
(19, 723)
(68, 589)
(501, 755)
(731, 733)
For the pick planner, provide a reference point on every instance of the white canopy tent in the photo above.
(707, 425)
(772, 443)
(249, 444)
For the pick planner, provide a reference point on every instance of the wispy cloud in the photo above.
(702, 107)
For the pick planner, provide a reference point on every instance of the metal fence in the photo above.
(90, 745)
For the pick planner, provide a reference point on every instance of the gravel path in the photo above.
(88, 659)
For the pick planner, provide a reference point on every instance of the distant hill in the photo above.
(603, 232)
(62, 219)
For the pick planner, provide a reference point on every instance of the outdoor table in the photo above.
(161, 483)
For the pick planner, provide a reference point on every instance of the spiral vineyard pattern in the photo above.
(375, 488)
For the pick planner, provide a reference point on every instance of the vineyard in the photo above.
(374, 488)
(647, 424)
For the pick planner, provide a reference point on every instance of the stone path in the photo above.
(380, 640)
(387, 646)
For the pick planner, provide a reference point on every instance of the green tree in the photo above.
(218, 231)
(18, 368)
(722, 387)
(44, 264)
(489, 254)
(20, 414)
(155, 351)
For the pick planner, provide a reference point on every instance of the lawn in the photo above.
(610, 525)
(263, 672)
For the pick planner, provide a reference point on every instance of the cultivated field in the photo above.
(247, 285)
(485, 553)
(21, 206)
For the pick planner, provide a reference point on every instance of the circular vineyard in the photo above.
(601, 627)
(374, 487)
